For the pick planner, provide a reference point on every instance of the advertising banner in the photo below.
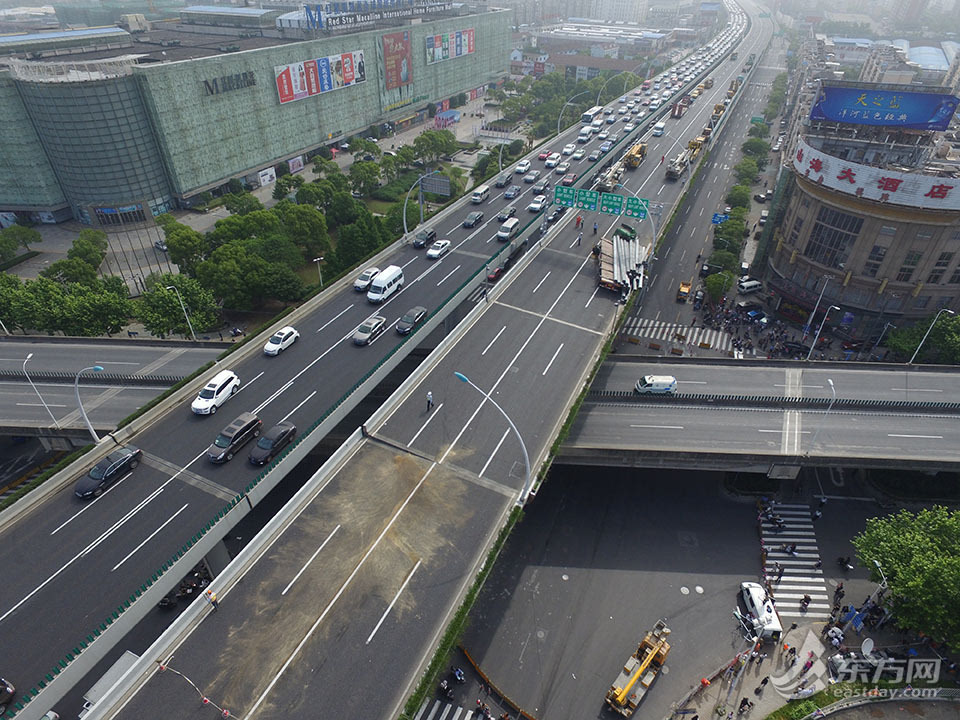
(449, 45)
(914, 190)
(397, 60)
(313, 77)
(866, 106)
(267, 176)
(295, 164)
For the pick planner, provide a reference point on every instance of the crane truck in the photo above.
(640, 670)
(677, 165)
(635, 155)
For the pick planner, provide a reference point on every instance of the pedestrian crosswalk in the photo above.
(802, 571)
(693, 336)
(440, 710)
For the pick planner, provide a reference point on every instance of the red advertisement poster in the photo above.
(284, 86)
(469, 40)
(347, 59)
(397, 60)
(313, 83)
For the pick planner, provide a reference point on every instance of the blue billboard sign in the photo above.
(892, 108)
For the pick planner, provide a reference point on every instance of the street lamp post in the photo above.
(568, 102)
(872, 599)
(820, 329)
(833, 399)
(816, 307)
(917, 351)
(407, 197)
(83, 413)
(522, 498)
(880, 339)
(42, 401)
(319, 260)
(184, 308)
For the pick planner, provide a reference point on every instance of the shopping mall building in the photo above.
(110, 125)
(868, 218)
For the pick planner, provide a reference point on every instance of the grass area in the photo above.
(378, 207)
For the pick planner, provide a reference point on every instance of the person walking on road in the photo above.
(595, 226)
(429, 401)
(579, 238)
(211, 597)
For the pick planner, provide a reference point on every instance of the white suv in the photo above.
(216, 392)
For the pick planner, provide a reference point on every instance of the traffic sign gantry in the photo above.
(566, 196)
(588, 200)
(611, 204)
(637, 208)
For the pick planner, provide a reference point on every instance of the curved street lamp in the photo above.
(42, 401)
(407, 197)
(917, 351)
(184, 308)
(522, 498)
(83, 413)
(319, 260)
(568, 102)
(820, 330)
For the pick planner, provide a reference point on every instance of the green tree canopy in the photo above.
(739, 196)
(718, 284)
(21, 236)
(919, 553)
(241, 204)
(746, 171)
(159, 308)
(186, 246)
(365, 177)
(285, 185)
(724, 260)
(755, 147)
(71, 270)
(941, 346)
(758, 130)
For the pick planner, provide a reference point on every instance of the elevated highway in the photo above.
(763, 416)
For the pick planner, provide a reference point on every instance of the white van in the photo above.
(656, 385)
(508, 229)
(761, 611)
(385, 284)
(480, 194)
(763, 217)
(659, 128)
(584, 135)
(745, 286)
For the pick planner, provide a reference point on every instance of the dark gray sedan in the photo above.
(108, 471)
(272, 442)
(411, 318)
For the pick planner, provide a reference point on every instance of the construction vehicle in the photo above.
(734, 86)
(683, 292)
(708, 83)
(677, 165)
(611, 177)
(734, 55)
(640, 670)
(635, 155)
(680, 107)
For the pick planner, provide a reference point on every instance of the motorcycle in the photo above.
(844, 564)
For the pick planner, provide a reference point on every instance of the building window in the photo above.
(943, 302)
(924, 235)
(910, 263)
(943, 262)
(888, 231)
(795, 231)
(832, 236)
(872, 266)
(805, 201)
(921, 302)
(955, 278)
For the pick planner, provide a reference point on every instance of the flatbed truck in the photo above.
(640, 670)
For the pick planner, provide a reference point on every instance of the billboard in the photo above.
(892, 187)
(449, 45)
(313, 77)
(891, 108)
(397, 60)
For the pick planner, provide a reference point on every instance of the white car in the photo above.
(562, 168)
(603, 135)
(216, 392)
(629, 127)
(362, 283)
(569, 149)
(552, 160)
(537, 204)
(579, 154)
(522, 167)
(438, 249)
(281, 340)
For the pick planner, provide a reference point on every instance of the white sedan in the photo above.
(281, 340)
(569, 149)
(438, 249)
(537, 204)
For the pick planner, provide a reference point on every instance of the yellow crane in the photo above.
(640, 670)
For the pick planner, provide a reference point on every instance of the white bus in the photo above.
(592, 114)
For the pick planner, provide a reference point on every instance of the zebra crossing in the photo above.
(803, 572)
(693, 335)
(440, 710)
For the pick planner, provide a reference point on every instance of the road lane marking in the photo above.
(89, 505)
(934, 390)
(334, 318)
(447, 276)
(302, 403)
(393, 602)
(150, 537)
(296, 651)
(542, 281)
(922, 437)
(115, 362)
(39, 405)
(270, 398)
(790, 444)
(659, 427)
(490, 459)
(312, 558)
(493, 341)
(432, 415)
(549, 364)
(592, 296)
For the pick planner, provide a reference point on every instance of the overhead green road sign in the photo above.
(566, 196)
(611, 204)
(588, 200)
(637, 208)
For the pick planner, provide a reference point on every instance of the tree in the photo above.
(724, 260)
(160, 312)
(430, 145)
(343, 209)
(718, 284)
(242, 204)
(71, 270)
(919, 554)
(285, 185)
(746, 171)
(942, 345)
(186, 246)
(739, 196)
(758, 130)
(365, 177)
(90, 247)
(234, 186)
(755, 148)
(91, 311)
(10, 288)
(21, 235)
(351, 247)
(8, 247)
(307, 227)
(515, 148)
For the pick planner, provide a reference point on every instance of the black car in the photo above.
(507, 213)
(512, 192)
(473, 218)
(272, 442)
(233, 437)
(7, 691)
(503, 180)
(424, 237)
(698, 300)
(542, 187)
(704, 270)
(410, 319)
(556, 213)
(105, 472)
